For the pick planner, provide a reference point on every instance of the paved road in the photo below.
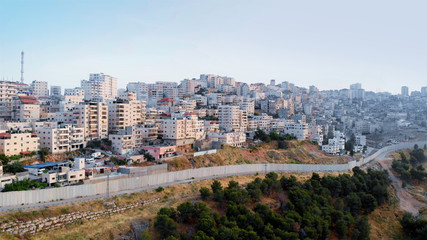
(89, 198)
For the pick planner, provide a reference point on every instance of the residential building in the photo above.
(232, 118)
(99, 87)
(7, 91)
(25, 109)
(39, 89)
(123, 113)
(17, 142)
(160, 152)
(61, 139)
(230, 138)
(93, 118)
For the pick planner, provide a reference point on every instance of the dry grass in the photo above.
(297, 152)
(119, 224)
(384, 221)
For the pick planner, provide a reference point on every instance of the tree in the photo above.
(14, 167)
(341, 228)
(414, 229)
(216, 186)
(44, 152)
(205, 193)
(185, 212)
(149, 157)
(361, 229)
(261, 135)
(165, 225)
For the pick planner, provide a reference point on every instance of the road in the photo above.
(89, 198)
(407, 202)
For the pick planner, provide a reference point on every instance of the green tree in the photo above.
(361, 229)
(216, 186)
(14, 167)
(341, 228)
(205, 193)
(165, 225)
(44, 152)
(149, 157)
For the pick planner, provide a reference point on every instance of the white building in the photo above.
(39, 88)
(232, 118)
(231, 138)
(99, 87)
(93, 118)
(61, 139)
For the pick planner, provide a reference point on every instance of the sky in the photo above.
(329, 44)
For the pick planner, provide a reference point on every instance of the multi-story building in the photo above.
(299, 130)
(232, 118)
(74, 92)
(7, 91)
(25, 109)
(55, 91)
(140, 88)
(99, 87)
(231, 138)
(404, 91)
(17, 142)
(39, 88)
(93, 118)
(182, 129)
(63, 138)
(124, 113)
(248, 106)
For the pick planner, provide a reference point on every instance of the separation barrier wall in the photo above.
(149, 181)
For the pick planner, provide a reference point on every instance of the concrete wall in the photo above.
(143, 182)
(204, 152)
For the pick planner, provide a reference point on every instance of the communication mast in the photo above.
(22, 67)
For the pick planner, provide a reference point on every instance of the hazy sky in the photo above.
(330, 44)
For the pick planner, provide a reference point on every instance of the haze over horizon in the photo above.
(329, 44)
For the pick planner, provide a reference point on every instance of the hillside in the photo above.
(296, 152)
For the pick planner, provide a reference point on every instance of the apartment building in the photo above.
(232, 118)
(25, 109)
(39, 89)
(182, 127)
(93, 118)
(63, 138)
(132, 138)
(7, 91)
(99, 87)
(17, 142)
(299, 130)
(124, 113)
(140, 88)
(232, 138)
(64, 176)
(248, 106)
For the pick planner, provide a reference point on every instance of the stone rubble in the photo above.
(46, 224)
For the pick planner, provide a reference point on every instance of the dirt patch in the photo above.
(407, 201)
(297, 152)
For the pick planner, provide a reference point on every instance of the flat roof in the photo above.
(42, 165)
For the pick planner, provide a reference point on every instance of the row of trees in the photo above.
(273, 136)
(23, 185)
(311, 210)
(411, 169)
